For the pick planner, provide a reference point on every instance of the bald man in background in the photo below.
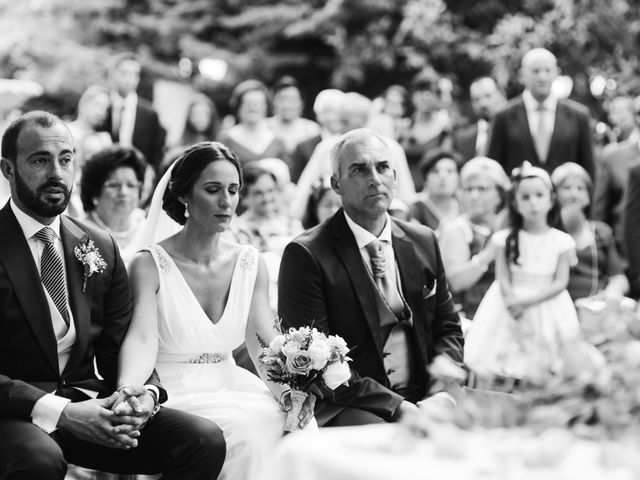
(539, 127)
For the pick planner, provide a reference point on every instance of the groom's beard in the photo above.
(37, 202)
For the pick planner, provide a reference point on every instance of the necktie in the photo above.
(481, 138)
(543, 135)
(52, 272)
(116, 112)
(384, 278)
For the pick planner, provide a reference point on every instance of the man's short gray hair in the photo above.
(359, 135)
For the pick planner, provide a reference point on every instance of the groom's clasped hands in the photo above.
(114, 421)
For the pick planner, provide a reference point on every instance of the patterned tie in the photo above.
(543, 135)
(52, 272)
(383, 277)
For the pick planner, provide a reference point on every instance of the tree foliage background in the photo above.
(363, 45)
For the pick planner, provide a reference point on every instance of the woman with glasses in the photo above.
(467, 254)
(110, 192)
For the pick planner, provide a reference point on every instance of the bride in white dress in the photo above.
(197, 296)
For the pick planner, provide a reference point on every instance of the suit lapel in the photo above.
(79, 301)
(22, 272)
(347, 251)
(530, 147)
(407, 262)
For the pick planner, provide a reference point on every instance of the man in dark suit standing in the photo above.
(64, 301)
(539, 127)
(486, 100)
(611, 188)
(376, 282)
(631, 228)
(132, 120)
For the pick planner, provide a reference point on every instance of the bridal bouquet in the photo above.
(302, 358)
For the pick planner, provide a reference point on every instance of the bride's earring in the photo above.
(186, 210)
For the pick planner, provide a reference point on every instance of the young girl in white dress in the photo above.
(197, 296)
(527, 315)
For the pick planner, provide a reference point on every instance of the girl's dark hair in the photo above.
(251, 173)
(431, 158)
(318, 190)
(190, 135)
(512, 247)
(186, 171)
(98, 168)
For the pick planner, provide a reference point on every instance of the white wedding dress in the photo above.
(235, 399)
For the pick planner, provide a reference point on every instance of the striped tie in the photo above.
(52, 272)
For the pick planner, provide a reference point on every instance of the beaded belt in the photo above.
(209, 358)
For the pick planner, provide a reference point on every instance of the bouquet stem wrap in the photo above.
(297, 400)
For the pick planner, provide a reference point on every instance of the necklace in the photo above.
(114, 233)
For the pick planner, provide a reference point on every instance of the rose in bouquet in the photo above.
(302, 359)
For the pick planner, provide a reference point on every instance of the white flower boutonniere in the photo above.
(91, 260)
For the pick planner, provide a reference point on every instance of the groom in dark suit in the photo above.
(539, 127)
(376, 282)
(64, 301)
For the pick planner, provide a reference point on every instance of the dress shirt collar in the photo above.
(531, 104)
(364, 237)
(29, 225)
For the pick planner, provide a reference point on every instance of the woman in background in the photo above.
(438, 201)
(110, 192)
(600, 269)
(467, 253)
(251, 138)
(201, 123)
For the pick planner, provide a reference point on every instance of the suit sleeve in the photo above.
(497, 142)
(302, 302)
(602, 195)
(632, 228)
(447, 331)
(585, 154)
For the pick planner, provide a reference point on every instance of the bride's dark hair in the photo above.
(186, 171)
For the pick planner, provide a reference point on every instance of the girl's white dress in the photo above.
(531, 345)
(235, 399)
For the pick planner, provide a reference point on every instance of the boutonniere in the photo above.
(91, 260)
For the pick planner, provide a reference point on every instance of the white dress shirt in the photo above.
(531, 105)
(47, 410)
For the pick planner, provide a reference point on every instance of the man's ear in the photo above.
(335, 185)
(8, 168)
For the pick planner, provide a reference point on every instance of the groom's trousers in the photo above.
(178, 444)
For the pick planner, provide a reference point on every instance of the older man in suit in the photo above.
(378, 283)
(539, 127)
(64, 302)
(611, 188)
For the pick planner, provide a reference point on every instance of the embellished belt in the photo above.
(209, 358)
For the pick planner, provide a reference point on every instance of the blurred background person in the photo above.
(430, 126)
(322, 204)
(287, 121)
(110, 190)
(132, 120)
(251, 138)
(539, 127)
(354, 113)
(438, 201)
(86, 129)
(467, 253)
(92, 112)
(392, 120)
(599, 269)
(621, 117)
(261, 224)
(201, 123)
(486, 99)
(327, 110)
(611, 185)
(631, 229)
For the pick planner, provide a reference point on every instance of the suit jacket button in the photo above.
(63, 382)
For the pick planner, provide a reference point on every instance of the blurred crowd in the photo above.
(453, 176)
